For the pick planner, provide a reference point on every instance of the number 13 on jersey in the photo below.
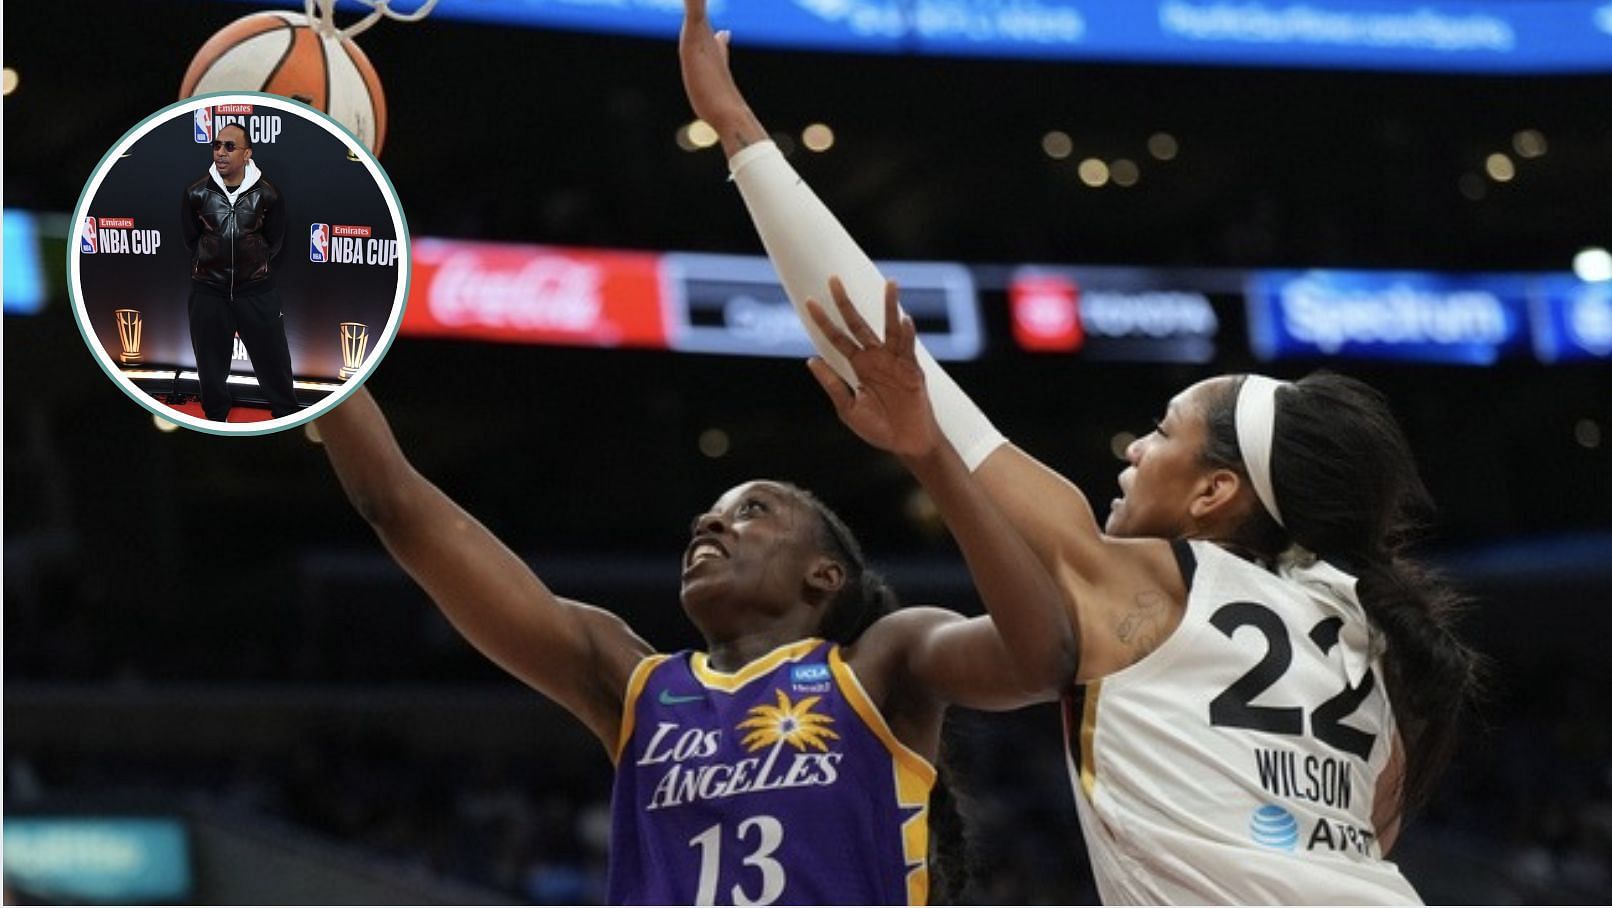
(768, 834)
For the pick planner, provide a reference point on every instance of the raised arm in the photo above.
(1113, 593)
(709, 82)
(810, 250)
(891, 410)
(576, 655)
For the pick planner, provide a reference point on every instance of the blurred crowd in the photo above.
(1525, 816)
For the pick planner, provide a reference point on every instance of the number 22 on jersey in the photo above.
(1234, 707)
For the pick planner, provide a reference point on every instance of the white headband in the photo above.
(1256, 425)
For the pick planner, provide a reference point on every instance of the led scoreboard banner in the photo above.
(1476, 36)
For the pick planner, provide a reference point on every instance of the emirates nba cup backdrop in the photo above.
(344, 258)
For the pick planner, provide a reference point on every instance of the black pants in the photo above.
(214, 322)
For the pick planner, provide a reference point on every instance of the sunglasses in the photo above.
(226, 144)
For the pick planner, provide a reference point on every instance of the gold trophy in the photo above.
(128, 336)
(354, 340)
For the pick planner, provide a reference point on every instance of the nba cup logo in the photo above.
(202, 125)
(354, 340)
(87, 243)
(128, 335)
(319, 243)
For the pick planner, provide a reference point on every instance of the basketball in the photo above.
(284, 54)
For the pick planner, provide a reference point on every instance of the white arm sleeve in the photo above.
(808, 245)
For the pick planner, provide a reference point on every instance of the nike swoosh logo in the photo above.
(667, 698)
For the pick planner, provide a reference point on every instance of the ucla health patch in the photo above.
(811, 678)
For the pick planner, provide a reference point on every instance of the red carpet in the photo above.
(236, 414)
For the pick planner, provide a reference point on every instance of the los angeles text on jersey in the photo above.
(686, 779)
(1291, 775)
(356, 244)
(118, 236)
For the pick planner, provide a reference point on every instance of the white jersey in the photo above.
(1236, 763)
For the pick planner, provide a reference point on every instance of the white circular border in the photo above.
(189, 105)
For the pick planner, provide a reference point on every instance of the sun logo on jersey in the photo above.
(792, 723)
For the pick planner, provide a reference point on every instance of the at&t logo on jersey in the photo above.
(810, 679)
(350, 244)
(319, 242)
(202, 125)
(117, 236)
(1274, 827)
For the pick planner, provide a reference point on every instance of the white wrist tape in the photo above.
(808, 245)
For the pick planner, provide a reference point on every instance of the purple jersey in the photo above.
(780, 782)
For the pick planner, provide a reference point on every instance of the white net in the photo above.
(322, 14)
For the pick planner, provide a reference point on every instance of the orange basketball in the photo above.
(282, 54)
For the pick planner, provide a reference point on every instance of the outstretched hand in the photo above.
(706, 77)
(891, 410)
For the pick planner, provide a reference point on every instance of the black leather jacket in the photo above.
(233, 246)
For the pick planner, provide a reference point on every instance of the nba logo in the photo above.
(319, 243)
(86, 241)
(202, 125)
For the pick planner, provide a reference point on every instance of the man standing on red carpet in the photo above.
(234, 225)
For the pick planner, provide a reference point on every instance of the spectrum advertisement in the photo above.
(1409, 316)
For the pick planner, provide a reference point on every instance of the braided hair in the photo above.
(864, 598)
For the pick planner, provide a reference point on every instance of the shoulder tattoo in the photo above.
(1143, 626)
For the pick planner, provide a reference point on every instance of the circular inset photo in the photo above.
(242, 263)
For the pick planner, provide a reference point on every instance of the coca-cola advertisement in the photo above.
(535, 294)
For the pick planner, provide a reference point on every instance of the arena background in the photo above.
(200, 630)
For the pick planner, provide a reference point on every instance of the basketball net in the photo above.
(321, 13)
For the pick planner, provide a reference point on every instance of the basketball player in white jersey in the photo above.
(1268, 683)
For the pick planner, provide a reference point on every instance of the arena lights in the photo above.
(10, 80)
(696, 135)
(1529, 143)
(1499, 168)
(1472, 186)
(1124, 172)
(924, 514)
(817, 137)
(1587, 432)
(1120, 443)
(1593, 265)
(1093, 172)
(164, 425)
(715, 443)
(1057, 144)
(1163, 146)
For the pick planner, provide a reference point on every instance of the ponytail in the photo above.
(1432, 676)
(1349, 491)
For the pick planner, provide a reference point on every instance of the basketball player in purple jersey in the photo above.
(791, 761)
